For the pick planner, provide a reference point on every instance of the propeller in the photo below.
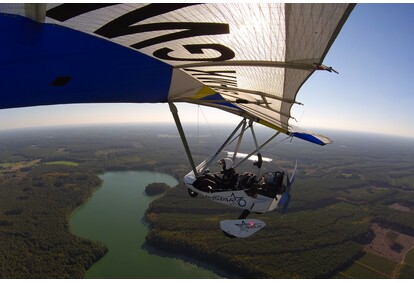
(286, 196)
(291, 179)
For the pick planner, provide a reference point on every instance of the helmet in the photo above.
(227, 163)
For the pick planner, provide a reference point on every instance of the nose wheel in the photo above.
(192, 193)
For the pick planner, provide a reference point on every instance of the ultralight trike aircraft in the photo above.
(248, 59)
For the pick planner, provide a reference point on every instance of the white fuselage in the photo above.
(236, 198)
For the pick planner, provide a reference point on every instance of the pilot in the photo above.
(229, 179)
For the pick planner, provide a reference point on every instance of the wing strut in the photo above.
(180, 129)
(257, 150)
(258, 164)
(204, 165)
(236, 150)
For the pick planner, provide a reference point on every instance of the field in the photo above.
(350, 215)
(7, 167)
(66, 163)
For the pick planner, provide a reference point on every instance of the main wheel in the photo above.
(192, 193)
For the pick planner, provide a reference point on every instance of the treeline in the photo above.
(324, 231)
(391, 218)
(156, 189)
(35, 241)
(305, 244)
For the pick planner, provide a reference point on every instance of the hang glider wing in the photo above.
(246, 58)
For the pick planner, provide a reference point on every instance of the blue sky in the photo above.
(373, 91)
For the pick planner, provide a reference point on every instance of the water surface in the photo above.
(114, 216)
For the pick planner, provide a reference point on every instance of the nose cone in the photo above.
(189, 178)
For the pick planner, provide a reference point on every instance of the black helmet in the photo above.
(227, 163)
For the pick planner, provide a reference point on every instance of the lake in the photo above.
(114, 215)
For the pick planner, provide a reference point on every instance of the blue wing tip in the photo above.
(313, 138)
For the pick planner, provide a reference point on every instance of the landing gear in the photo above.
(192, 193)
(244, 214)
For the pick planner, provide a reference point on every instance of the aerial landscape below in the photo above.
(350, 216)
(97, 182)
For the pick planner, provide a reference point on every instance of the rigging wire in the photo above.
(275, 143)
(208, 124)
(198, 123)
(301, 116)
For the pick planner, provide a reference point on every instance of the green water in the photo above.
(114, 215)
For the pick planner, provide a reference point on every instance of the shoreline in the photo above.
(144, 245)
(153, 250)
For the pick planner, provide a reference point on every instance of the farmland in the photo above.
(352, 204)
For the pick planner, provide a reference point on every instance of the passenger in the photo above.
(229, 178)
(226, 179)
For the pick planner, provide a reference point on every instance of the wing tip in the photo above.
(312, 137)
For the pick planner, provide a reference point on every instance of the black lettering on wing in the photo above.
(225, 52)
(219, 73)
(65, 12)
(127, 24)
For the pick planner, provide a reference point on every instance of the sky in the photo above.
(373, 91)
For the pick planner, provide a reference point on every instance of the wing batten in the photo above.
(36, 12)
(252, 63)
(254, 92)
(249, 59)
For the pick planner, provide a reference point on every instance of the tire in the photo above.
(192, 193)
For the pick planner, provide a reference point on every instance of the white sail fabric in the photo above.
(247, 58)
(276, 46)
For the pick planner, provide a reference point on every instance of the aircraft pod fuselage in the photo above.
(241, 198)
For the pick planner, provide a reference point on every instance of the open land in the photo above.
(350, 216)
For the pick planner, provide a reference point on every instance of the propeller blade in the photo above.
(292, 179)
(284, 202)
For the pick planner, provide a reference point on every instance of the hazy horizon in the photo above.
(202, 128)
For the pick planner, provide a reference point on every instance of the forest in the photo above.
(341, 193)
(154, 189)
(34, 237)
(44, 175)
